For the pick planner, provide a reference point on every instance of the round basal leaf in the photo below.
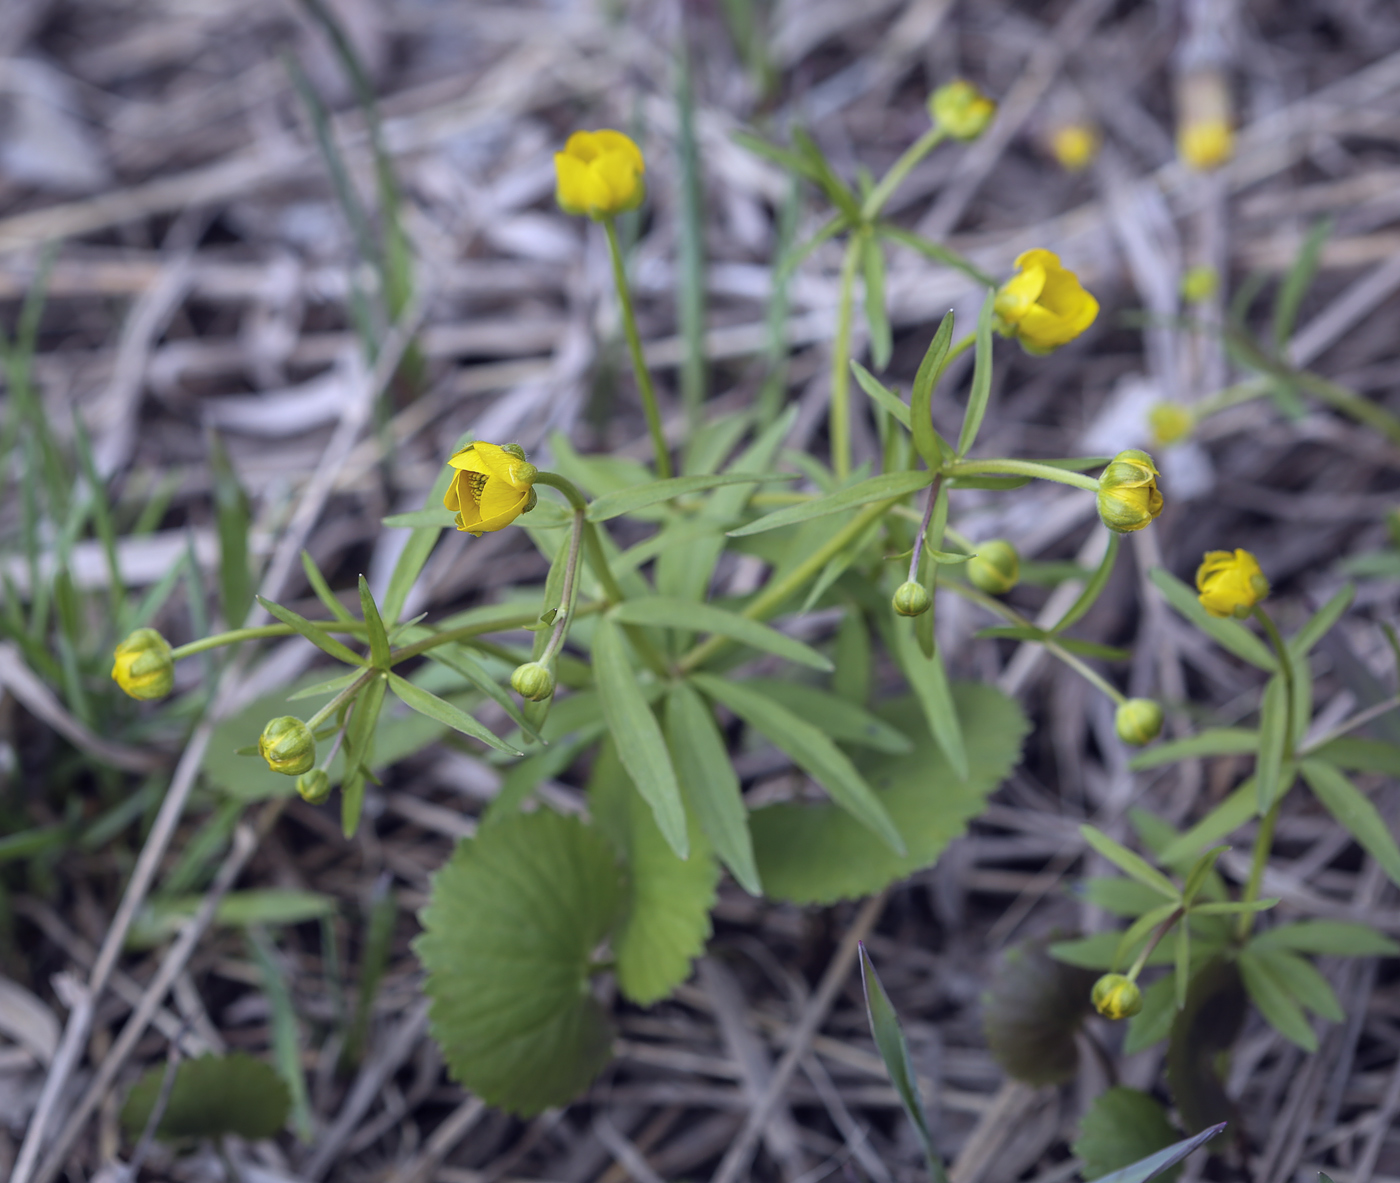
(666, 921)
(1122, 1126)
(1033, 1010)
(818, 853)
(212, 1096)
(508, 939)
(1207, 1025)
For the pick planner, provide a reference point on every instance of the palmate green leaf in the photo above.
(926, 440)
(838, 717)
(929, 681)
(1273, 738)
(671, 612)
(508, 938)
(1155, 1165)
(810, 749)
(873, 266)
(666, 919)
(625, 501)
(1215, 741)
(1335, 938)
(1270, 992)
(709, 784)
(818, 853)
(876, 488)
(638, 735)
(1122, 1126)
(1132, 865)
(1229, 634)
(894, 1051)
(323, 641)
(212, 1096)
(1353, 809)
(881, 394)
(981, 378)
(433, 707)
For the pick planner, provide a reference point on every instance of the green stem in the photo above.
(577, 501)
(634, 345)
(596, 557)
(776, 594)
(1350, 403)
(467, 631)
(234, 636)
(341, 699)
(901, 168)
(1263, 847)
(918, 552)
(1148, 949)
(840, 422)
(569, 596)
(1285, 665)
(1044, 472)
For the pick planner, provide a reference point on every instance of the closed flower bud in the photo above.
(1230, 584)
(144, 666)
(314, 786)
(961, 110)
(1043, 305)
(1201, 282)
(288, 746)
(995, 568)
(599, 173)
(1075, 145)
(912, 599)
(1170, 423)
(1204, 137)
(1138, 721)
(1116, 996)
(492, 487)
(532, 681)
(1128, 496)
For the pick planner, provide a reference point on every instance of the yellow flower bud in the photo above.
(1170, 423)
(1230, 584)
(599, 173)
(1075, 145)
(288, 746)
(314, 786)
(1138, 721)
(961, 109)
(1204, 137)
(1205, 146)
(912, 599)
(144, 666)
(1116, 996)
(995, 568)
(532, 681)
(1043, 305)
(1200, 283)
(1128, 497)
(492, 488)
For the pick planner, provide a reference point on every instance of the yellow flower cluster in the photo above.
(1230, 584)
(492, 488)
(599, 174)
(1044, 305)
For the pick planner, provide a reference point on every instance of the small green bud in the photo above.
(532, 681)
(288, 746)
(314, 786)
(1128, 498)
(961, 109)
(912, 599)
(515, 450)
(1138, 721)
(995, 568)
(1116, 996)
(1200, 283)
(144, 666)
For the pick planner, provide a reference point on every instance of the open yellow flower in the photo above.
(492, 487)
(1044, 305)
(599, 174)
(1230, 584)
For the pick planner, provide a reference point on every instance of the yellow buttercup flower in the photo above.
(1044, 305)
(1206, 145)
(1075, 145)
(961, 110)
(1116, 996)
(599, 174)
(1170, 423)
(492, 487)
(1230, 584)
(1128, 497)
(143, 665)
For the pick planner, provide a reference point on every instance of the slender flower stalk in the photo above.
(1044, 472)
(840, 422)
(900, 169)
(634, 345)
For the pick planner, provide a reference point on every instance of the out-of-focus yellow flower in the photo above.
(144, 667)
(1205, 146)
(1075, 145)
(492, 488)
(1170, 423)
(1201, 282)
(1044, 305)
(599, 173)
(961, 110)
(1205, 138)
(1128, 497)
(911, 598)
(1230, 584)
(1116, 996)
(995, 568)
(1138, 721)
(288, 746)
(532, 681)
